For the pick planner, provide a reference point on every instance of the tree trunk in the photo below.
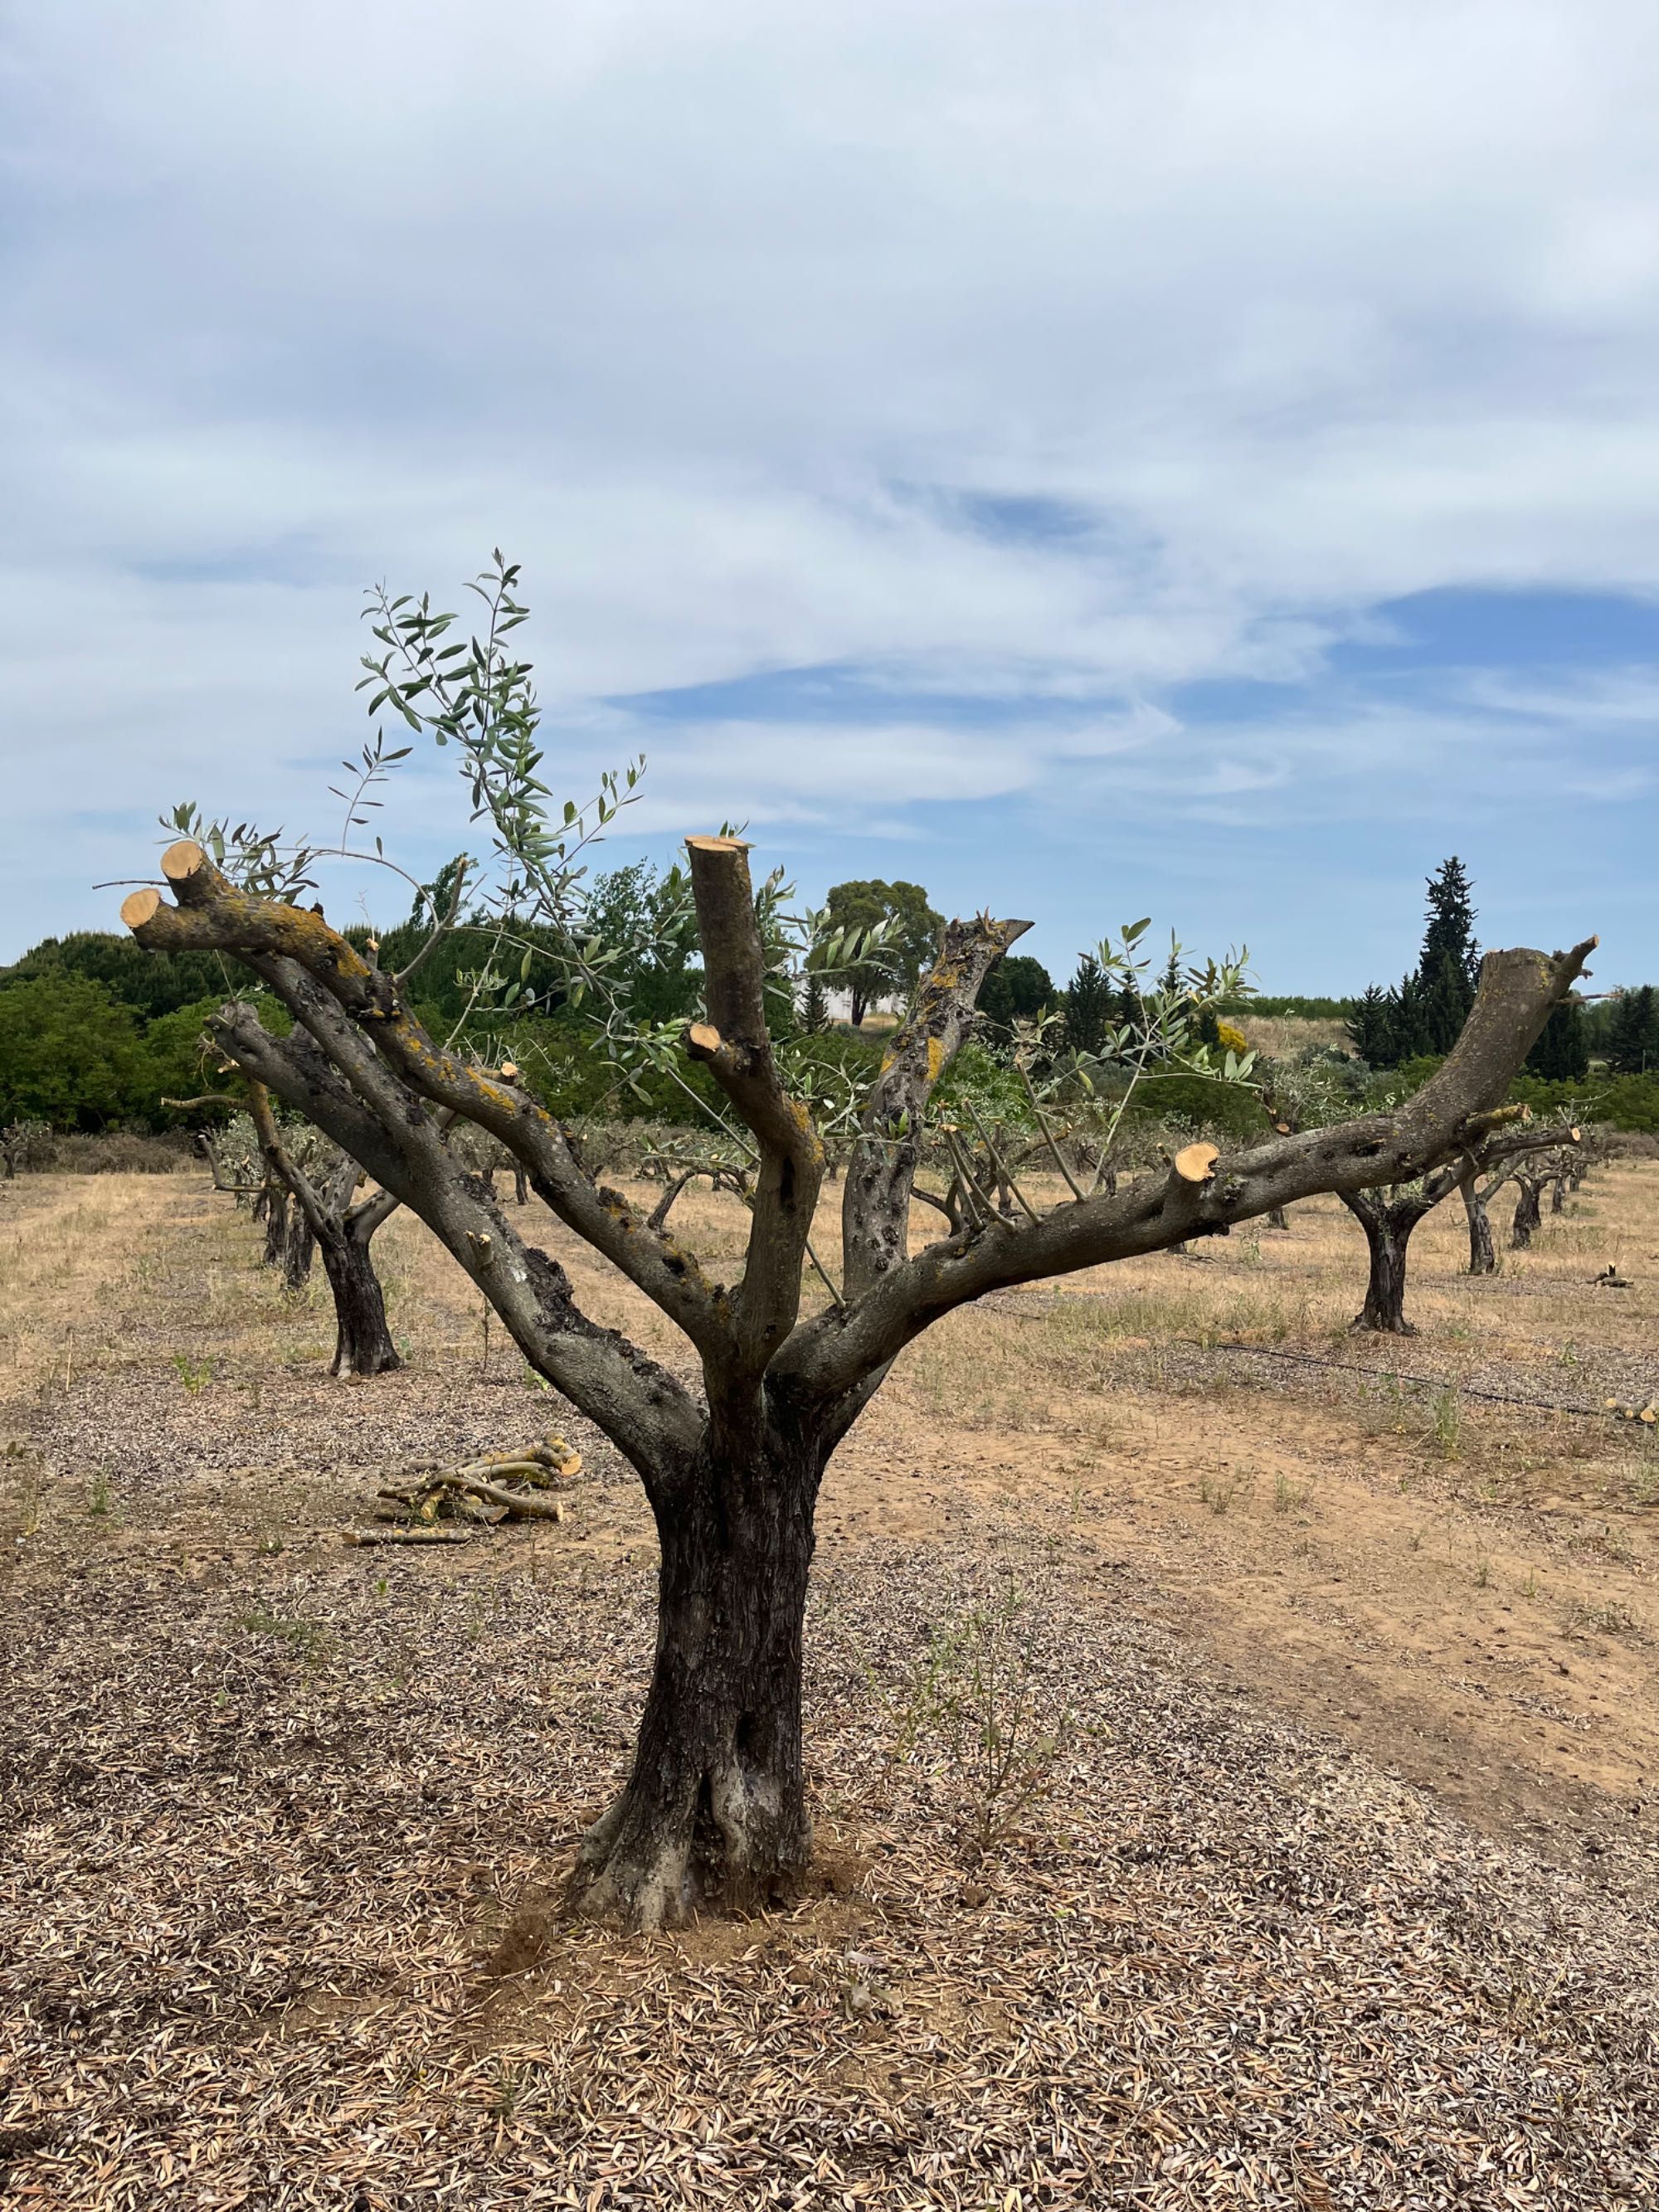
(1483, 1260)
(1388, 1232)
(275, 1202)
(520, 1185)
(1557, 1193)
(1526, 1218)
(715, 1811)
(299, 1247)
(1277, 1217)
(363, 1342)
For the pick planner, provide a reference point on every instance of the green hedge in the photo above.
(1630, 1102)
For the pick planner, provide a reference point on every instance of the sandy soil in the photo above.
(1354, 1639)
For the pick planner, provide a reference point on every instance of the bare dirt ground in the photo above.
(1343, 1897)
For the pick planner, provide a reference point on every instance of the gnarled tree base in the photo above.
(1388, 1235)
(645, 1871)
(1366, 1323)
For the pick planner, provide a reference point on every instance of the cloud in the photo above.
(1014, 372)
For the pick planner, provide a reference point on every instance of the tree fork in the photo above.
(342, 1233)
(715, 1808)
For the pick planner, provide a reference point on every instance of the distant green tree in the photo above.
(1561, 1055)
(814, 1005)
(1371, 1029)
(149, 987)
(70, 1054)
(642, 912)
(1427, 1009)
(1089, 1006)
(1633, 1032)
(1017, 988)
(1449, 967)
(913, 939)
(1407, 1026)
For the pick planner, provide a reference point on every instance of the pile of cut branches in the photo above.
(427, 1497)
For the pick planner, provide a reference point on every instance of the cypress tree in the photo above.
(1561, 1054)
(814, 1005)
(1449, 967)
(1426, 1013)
(1411, 1034)
(1633, 1033)
(1371, 1029)
(1088, 1007)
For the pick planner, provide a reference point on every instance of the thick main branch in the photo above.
(1458, 1108)
(214, 914)
(735, 1045)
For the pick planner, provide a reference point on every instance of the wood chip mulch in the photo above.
(274, 1928)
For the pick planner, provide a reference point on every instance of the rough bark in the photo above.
(1527, 1215)
(299, 1247)
(715, 1805)
(715, 1811)
(1483, 1260)
(362, 1341)
(1387, 1226)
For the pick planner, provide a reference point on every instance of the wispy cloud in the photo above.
(1070, 395)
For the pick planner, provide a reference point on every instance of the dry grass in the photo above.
(1284, 1036)
(1342, 1896)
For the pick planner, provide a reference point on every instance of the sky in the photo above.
(1092, 459)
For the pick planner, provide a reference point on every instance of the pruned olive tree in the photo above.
(323, 1196)
(241, 1167)
(1479, 1183)
(715, 1805)
(788, 1354)
(307, 1187)
(1390, 1213)
(1528, 1218)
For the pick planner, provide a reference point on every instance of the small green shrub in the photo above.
(975, 1707)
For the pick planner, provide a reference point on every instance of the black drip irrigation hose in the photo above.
(1005, 1305)
(1393, 1375)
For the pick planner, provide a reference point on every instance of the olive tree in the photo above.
(1389, 1215)
(307, 1187)
(788, 1355)
(716, 1805)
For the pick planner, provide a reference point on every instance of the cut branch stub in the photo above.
(139, 907)
(182, 860)
(735, 1045)
(1196, 1162)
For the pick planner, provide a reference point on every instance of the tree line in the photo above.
(95, 1034)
